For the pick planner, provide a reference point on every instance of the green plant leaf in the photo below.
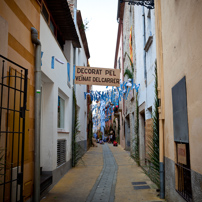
(131, 63)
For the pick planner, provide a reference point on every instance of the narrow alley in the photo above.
(100, 100)
(105, 173)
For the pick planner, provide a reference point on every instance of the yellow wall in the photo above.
(21, 15)
(179, 26)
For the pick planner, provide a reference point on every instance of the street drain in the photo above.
(141, 187)
(138, 183)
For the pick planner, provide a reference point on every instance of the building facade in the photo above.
(129, 51)
(145, 45)
(178, 32)
(37, 56)
(16, 19)
(137, 32)
(60, 54)
(118, 64)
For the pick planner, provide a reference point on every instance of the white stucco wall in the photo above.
(146, 92)
(81, 60)
(144, 59)
(54, 83)
(139, 46)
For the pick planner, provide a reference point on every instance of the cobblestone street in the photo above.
(106, 173)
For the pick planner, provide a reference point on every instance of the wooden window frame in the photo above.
(50, 18)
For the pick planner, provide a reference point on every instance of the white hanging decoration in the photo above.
(60, 61)
(129, 84)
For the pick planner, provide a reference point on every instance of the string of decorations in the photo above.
(109, 99)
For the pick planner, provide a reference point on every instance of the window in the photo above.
(61, 108)
(61, 152)
(45, 13)
(52, 25)
(60, 40)
(119, 63)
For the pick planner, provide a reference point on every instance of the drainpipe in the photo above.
(35, 40)
(73, 111)
(161, 159)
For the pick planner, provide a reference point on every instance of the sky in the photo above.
(102, 31)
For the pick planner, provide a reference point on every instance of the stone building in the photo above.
(137, 32)
(125, 18)
(118, 64)
(129, 103)
(145, 45)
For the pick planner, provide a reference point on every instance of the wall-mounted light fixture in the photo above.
(147, 3)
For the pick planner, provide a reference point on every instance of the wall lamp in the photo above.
(146, 3)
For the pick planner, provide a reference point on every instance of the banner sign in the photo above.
(97, 76)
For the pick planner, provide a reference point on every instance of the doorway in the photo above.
(142, 146)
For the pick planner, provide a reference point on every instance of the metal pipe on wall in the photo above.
(144, 34)
(161, 160)
(145, 74)
(35, 40)
(73, 110)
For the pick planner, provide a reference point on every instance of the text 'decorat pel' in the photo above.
(97, 76)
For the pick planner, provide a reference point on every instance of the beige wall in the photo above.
(181, 51)
(20, 16)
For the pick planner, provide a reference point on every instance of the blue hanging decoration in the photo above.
(41, 57)
(74, 72)
(52, 62)
(132, 82)
(137, 87)
(125, 85)
(68, 71)
(91, 96)
(122, 86)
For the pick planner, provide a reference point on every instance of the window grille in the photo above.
(61, 152)
(184, 177)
